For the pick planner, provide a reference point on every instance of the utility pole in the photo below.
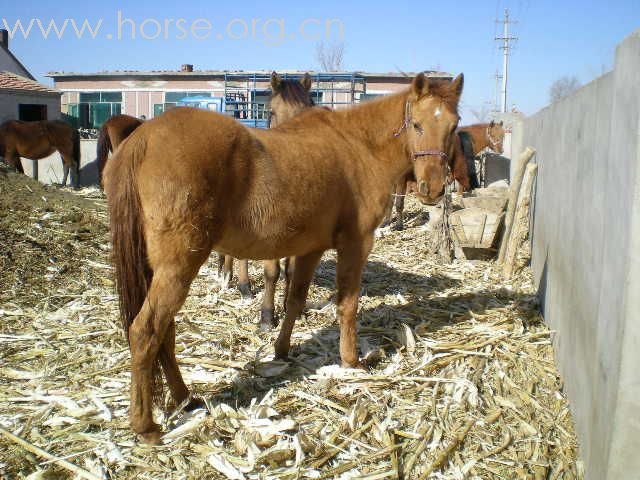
(496, 98)
(506, 47)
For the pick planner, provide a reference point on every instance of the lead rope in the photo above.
(445, 246)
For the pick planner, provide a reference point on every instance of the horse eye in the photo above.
(417, 126)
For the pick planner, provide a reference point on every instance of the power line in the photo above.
(506, 47)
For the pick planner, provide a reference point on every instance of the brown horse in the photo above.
(112, 133)
(288, 99)
(37, 140)
(481, 136)
(485, 135)
(191, 181)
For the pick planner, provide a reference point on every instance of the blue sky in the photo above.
(555, 38)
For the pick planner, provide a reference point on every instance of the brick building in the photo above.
(90, 98)
(21, 97)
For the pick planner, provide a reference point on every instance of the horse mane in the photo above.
(440, 87)
(292, 91)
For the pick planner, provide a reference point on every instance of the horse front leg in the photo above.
(352, 258)
(267, 309)
(243, 280)
(296, 300)
(13, 159)
(225, 270)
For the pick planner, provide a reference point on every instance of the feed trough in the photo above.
(476, 226)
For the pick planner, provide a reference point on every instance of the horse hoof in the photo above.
(194, 404)
(397, 227)
(224, 282)
(282, 357)
(267, 320)
(357, 365)
(245, 291)
(152, 438)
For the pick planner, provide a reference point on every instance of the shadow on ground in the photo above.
(321, 347)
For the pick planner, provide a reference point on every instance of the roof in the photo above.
(222, 73)
(16, 83)
(13, 57)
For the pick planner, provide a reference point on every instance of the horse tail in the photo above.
(102, 150)
(129, 251)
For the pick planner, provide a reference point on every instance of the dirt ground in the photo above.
(461, 381)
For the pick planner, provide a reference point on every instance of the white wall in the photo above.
(50, 168)
(9, 103)
(586, 256)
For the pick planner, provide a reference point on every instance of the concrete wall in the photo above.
(50, 168)
(586, 256)
(9, 103)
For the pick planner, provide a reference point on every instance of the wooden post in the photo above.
(520, 224)
(514, 191)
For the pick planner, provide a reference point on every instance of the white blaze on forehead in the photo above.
(438, 112)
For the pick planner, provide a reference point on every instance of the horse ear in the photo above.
(491, 124)
(458, 84)
(501, 123)
(275, 81)
(420, 85)
(306, 82)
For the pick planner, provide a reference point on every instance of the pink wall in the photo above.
(140, 94)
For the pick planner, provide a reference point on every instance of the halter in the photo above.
(419, 153)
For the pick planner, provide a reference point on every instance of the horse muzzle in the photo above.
(424, 194)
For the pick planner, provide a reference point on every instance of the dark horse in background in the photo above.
(112, 133)
(468, 142)
(192, 181)
(38, 140)
(288, 99)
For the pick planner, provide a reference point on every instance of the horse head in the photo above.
(288, 98)
(495, 136)
(431, 118)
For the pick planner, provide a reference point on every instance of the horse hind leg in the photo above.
(65, 174)
(243, 280)
(267, 309)
(167, 357)
(289, 267)
(69, 165)
(152, 333)
(305, 267)
(169, 363)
